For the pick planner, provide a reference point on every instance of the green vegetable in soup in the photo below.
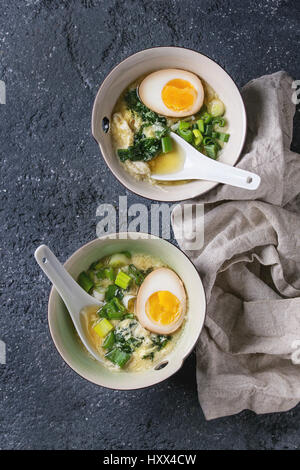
(109, 341)
(200, 124)
(186, 134)
(149, 117)
(113, 310)
(85, 281)
(160, 341)
(198, 137)
(144, 150)
(223, 136)
(166, 143)
(183, 125)
(211, 151)
(113, 291)
(122, 280)
(118, 357)
(119, 259)
(216, 107)
(149, 356)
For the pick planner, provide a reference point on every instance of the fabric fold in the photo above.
(250, 267)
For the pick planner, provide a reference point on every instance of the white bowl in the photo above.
(145, 62)
(68, 343)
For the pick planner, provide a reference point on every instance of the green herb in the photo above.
(109, 341)
(211, 150)
(113, 310)
(85, 282)
(122, 280)
(137, 275)
(166, 144)
(129, 315)
(220, 121)
(183, 125)
(149, 117)
(200, 125)
(144, 150)
(186, 134)
(160, 341)
(113, 291)
(118, 357)
(223, 137)
(149, 356)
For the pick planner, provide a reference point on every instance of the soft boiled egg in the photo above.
(161, 302)
(172, 92)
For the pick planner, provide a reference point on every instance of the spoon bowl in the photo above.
(197, 166)
(74, 297)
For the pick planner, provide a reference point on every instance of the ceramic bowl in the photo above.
(68, 343)
(148, 61)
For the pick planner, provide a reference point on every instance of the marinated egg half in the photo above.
(161, 302)
(172, 92)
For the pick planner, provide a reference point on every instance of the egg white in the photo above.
(151, 88)
(161, 279)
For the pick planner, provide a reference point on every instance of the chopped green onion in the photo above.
(103, 328)
(220, 121)
(129, 315)
(136, 274)
(85, 282)
(114, 315)
(207, 118)
(109, 341)
(223, 137)
(113, 291)
(118, 304)
(186, 134)
(97, 265)
(109, 274)
(113, 309)
(198, 137)
(216, 107)
(118, 357)
(166, 143)
(119, 259)
(184, 125)
(211, 151)
(207, 140)
(200, 125)
(209, 129)
(122, 280)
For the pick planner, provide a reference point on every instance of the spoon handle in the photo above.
(217, 171)
(72, 294)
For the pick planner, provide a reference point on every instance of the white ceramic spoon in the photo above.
(74, 297)
(199, 167)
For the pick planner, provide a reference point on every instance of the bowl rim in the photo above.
(53, 293)
(93, 121)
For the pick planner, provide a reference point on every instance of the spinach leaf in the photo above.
(160, 341)
(143, 150)
(149, 117)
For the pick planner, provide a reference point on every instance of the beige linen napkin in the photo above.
(250, 267)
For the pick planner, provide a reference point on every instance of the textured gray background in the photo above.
(53, 56)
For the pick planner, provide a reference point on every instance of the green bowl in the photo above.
(68, 343)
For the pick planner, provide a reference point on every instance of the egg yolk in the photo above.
(178, 95)
(163, 307)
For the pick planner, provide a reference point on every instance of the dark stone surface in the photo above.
(53, 56)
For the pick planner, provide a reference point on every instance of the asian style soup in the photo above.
(153, 106)
(142, 313)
